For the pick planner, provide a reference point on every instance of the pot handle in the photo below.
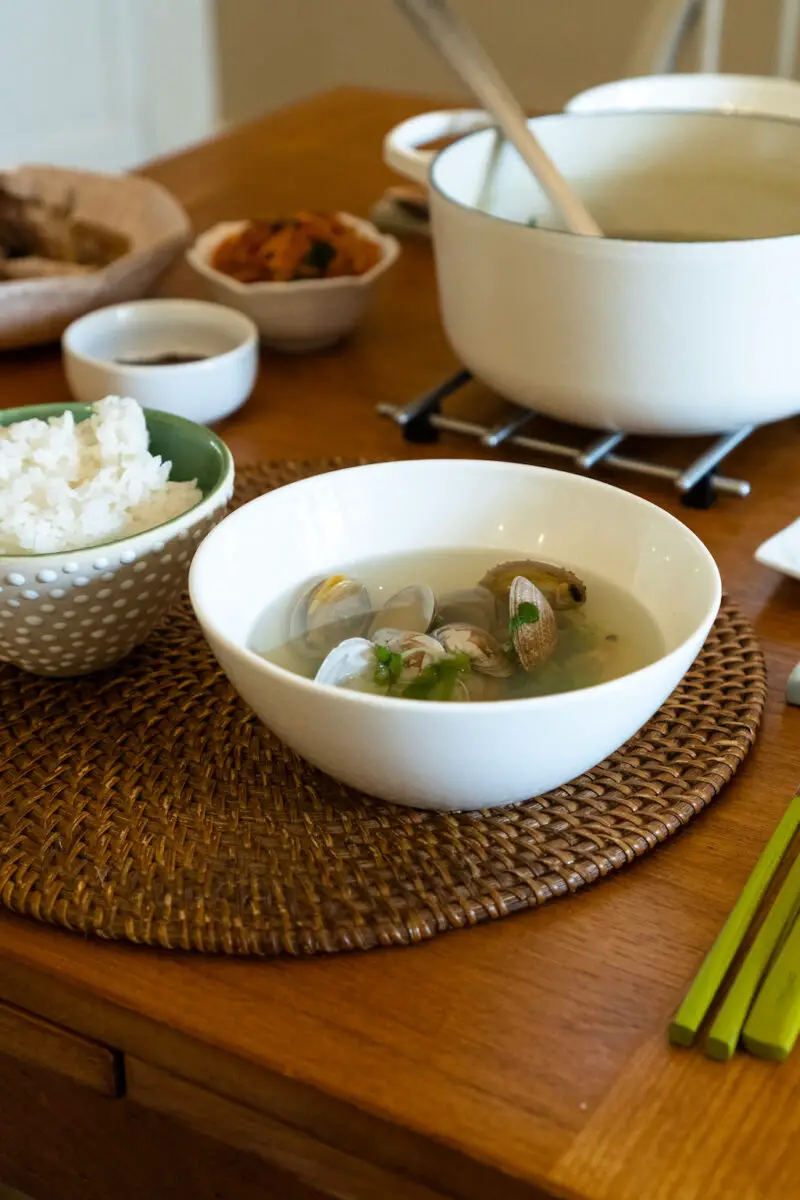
(400, 144)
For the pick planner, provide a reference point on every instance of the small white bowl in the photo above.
(304, 314)
(451, 756)
(204, 391)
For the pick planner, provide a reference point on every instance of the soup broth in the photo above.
(609, 635)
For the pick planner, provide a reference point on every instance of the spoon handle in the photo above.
(455, 42)
(711, 23)
(786, 52)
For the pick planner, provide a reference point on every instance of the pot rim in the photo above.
(634, 243)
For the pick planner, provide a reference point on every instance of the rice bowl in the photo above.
(69, 612)
(67, 485)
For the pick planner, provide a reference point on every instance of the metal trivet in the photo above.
(698, 484)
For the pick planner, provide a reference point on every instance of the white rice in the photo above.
(65, 486)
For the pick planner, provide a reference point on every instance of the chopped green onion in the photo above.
(395, 667)
(438, 679)
(388, 666)
(527, 614)
(421, 687)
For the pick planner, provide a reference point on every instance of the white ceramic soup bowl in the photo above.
(101, 351)
(449, 755)
(682, 337)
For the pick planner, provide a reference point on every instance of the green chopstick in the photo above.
(723, 1037)
(700, 996)
(774, 1022)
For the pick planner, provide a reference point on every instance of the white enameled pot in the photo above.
(684, 337)
(755, 95)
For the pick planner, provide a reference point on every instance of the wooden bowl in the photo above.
(157, 229)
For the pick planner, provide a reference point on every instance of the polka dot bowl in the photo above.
(83, 610)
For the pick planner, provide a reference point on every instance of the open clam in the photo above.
(484, 652)
(351, 664)
(471, 606)
(333, 610)
(561, 587)
(420, 668)
(532, 623)
(442, 680)
(411, 608)
(390, 638)
(416, 650)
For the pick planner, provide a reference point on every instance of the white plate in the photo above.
(782, 551)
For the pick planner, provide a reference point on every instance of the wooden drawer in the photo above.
(324, 1170)
(60, 1141)
(31, 1040)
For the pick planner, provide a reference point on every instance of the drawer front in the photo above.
(31, 1040)
(324, 1170)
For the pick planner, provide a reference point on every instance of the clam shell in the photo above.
(471, 606)
(417, 651)
(562, 588)
(483, 651)
(388, 637)
(351, 659)
(332, 610)
(534, 640)
(411, 608)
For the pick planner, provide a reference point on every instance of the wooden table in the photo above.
(526, 1058)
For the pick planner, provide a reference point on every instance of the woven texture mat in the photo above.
(146, 803)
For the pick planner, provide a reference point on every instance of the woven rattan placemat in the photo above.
(146, 803)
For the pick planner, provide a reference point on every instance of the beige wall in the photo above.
(275, 51)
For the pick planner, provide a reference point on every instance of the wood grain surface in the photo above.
(43, 1044)
(291, 1150)
(59, 1141)
(523, 1059)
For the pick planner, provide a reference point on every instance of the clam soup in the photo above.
(455, 625)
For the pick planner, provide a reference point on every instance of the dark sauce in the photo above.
(162, 360)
